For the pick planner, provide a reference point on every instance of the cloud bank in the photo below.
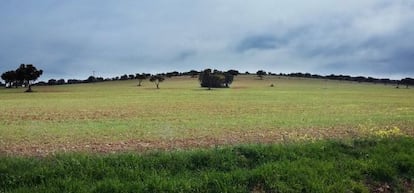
(72, 39)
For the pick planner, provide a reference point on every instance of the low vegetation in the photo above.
(361, 165)
(278, 134)
(118, 115)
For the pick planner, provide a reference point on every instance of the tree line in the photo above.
(26, 74)
(405, 81)
(261, 74)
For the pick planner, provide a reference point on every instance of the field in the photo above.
(119, 116)
(301, 135)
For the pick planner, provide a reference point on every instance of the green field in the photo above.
(119, 116)
(302, 135)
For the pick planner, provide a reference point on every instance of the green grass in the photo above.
(361, 165)
(120, 111)
(119, 116)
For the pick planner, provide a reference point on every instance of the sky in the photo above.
(74, 39)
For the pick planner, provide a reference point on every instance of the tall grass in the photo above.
(361, 165)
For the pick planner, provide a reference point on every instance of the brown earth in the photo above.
(47, 147)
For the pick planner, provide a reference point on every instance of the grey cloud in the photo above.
(259, 42)
(74, 38)
(185, 54)
(400, 61)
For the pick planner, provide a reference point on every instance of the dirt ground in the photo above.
(142, 145)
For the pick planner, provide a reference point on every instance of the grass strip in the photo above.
(360, 165)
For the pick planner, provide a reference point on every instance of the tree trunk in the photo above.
(29, 89)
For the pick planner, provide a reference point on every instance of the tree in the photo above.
(193, 73)
(91, 79)
(228, 78)
(385, 81)
(260, 74)
(124, 77)
(9, 77)
(74, 81)
(26, 74)
(407, 82)
(51, 82)
(233, 72)
(171, 74)
(204, 78)
(156, 79)
(140, 77)
(216, 79)
(60, 81)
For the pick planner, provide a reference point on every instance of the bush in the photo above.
(216, 79)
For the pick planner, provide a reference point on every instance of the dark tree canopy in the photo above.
(407, 82)
(91, 79)
(215, 79)
(228, 78)
(193, 73)
(171, 74)
(124, 77)
(233, 72)
(26, 74)
(140, 77)
(60, 81)
(260, 74)
(56, 82)
(51, 82)
(156, 79)
(10, 78)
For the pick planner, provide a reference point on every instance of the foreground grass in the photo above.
(362, 165)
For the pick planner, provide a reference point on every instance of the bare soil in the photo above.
(28, 148)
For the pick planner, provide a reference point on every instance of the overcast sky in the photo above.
(71, 39)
